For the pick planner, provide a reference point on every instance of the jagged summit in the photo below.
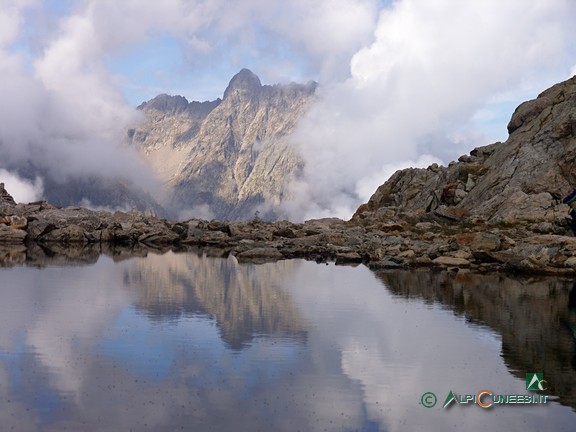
(227, 158)
(245, 82)
(166, 103)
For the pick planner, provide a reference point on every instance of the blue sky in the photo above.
(408, 82)
(160, 64)
(160, 60)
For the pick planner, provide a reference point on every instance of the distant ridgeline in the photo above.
(227, 158)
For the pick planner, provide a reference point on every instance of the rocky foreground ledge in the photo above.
(30, 231)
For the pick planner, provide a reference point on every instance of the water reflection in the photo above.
(535, 318)
(244, 300)
(184, 341)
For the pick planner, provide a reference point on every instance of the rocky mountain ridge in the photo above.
(521, 180)
(226, 158)
(498, 208)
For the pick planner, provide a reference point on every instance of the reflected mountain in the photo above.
(246, 301)
(536, 318)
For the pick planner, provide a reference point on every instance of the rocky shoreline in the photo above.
(38, 233)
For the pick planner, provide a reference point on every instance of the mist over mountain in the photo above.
(228, 158)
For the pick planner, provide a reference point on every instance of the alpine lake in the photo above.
(189, 341)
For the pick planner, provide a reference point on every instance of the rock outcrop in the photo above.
(40, 230)
(227, 158)
(520, 181)
(5, 197)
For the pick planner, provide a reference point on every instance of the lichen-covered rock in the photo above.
(67, 234)
(449, 261)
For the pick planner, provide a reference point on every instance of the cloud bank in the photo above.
(413, 93)
(62, 117)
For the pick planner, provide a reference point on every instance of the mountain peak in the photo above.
(244, 81)
(166, 103)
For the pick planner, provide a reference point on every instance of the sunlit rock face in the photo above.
(226, 158)
(521, 180)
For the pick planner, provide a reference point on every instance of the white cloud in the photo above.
(10, 20)
(432, 65)
(63, 116)
(22, 190)
(202, 211)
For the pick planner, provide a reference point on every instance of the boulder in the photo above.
(448, 261)
(284, 232)
(262, 254)
(485, 242)
(66, 234)
(348, 257)
(10, 235)
(386, 264)
(18, 222)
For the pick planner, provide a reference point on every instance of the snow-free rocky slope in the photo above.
(519, 181)
(226, 158)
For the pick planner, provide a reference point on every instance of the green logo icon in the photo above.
(428, 399)
(535, 381)
(449, 399)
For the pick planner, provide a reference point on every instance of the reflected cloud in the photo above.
(398, 343)
(45, 312)
(529, 315)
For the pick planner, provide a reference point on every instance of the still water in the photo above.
(187, 342)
